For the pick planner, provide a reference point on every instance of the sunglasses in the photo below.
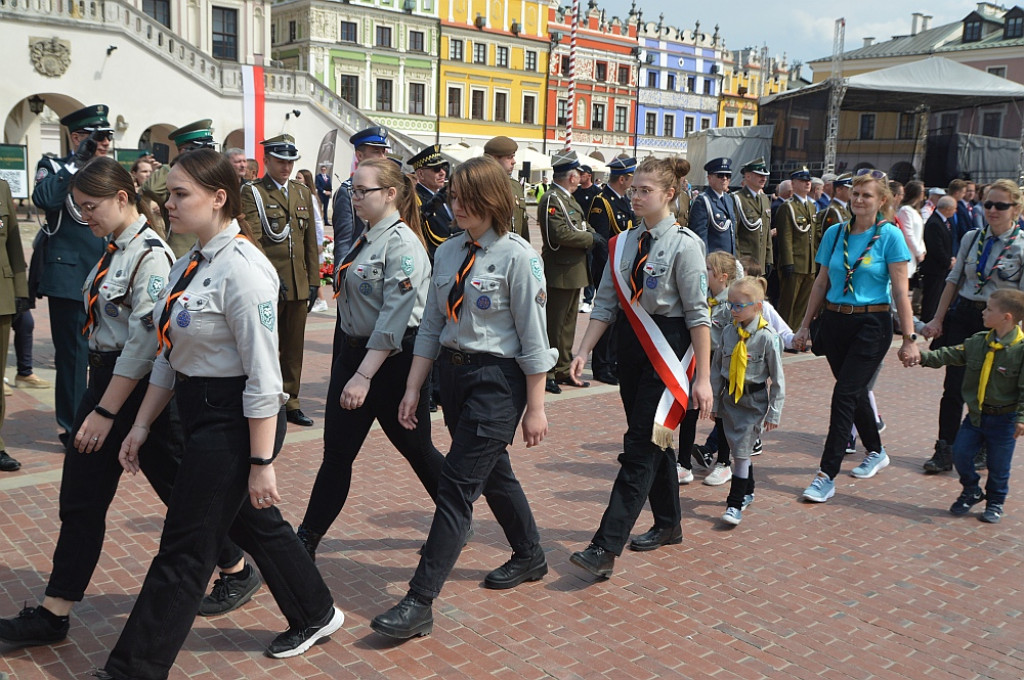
(998, 205)
(872, 173)
(100, 135)
(722, 175)
(738, 306)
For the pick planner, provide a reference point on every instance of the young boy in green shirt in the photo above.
(993, 390)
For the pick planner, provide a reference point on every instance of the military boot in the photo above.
(941, 460)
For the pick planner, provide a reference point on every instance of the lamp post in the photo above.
(553, 40)
(640, 53)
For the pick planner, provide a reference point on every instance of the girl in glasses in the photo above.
(749, 388)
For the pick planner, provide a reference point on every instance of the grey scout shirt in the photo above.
(1011, 264)
(126, 298)
(225, 322)
(503, 311)
(676, 281)
(764, 361)
(385, 287)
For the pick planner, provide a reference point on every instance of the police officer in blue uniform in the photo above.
(369, 143)
(431, 174)
(69, 250)
(712, 215)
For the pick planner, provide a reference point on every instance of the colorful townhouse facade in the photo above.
(747, 75)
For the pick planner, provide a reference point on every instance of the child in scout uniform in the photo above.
(993, 389)
(747, 381)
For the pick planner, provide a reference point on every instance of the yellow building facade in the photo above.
(494, 64)
(744, 82)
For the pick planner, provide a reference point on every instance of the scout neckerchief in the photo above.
(738, 365)
(342, 270)
(986, 367)
(179, 288)
(101, 271)
(458, 291)
(675, 373)
(636, 275)
(713, 302)
(983, 251)
(848, 282)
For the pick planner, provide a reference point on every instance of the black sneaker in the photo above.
(704, 456)
(230, 592)
(968, 499)
(8, 464)
(296, 641)
(993, 513)
(880, 424)
(851, 444)
(33, 627)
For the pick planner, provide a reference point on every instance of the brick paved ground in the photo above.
(878, 583)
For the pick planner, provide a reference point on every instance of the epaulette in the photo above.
(516, 238)
(153, 242)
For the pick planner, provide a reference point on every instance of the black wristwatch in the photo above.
(256, 460)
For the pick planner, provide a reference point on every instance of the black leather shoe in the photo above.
(571, 383)
(655, 538)
(527, 567)
(606, 378)
(8, 464)
(299, 418)
(552, 387)
(409, 618)
(596, 560)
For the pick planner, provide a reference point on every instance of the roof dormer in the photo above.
(972, 27)
(1013, 24)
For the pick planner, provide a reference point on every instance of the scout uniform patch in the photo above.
(156, 284)
(538, 271)
(405, 286)
(267, 315)
(407, 265)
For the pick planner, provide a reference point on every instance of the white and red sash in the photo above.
(674, 372)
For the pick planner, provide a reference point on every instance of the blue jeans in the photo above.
(996, 432)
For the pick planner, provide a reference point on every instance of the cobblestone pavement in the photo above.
(880, 582)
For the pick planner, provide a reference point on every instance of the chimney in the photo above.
(915, 23)
(926, 22)
(868, 42)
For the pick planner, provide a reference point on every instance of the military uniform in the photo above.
(437, 216)
(711, 215)
(520, 220)
(13, 285)
(69, 249)
(288, 237)
(798, 244)
(567, 238)
(837, 212)
(754, 219)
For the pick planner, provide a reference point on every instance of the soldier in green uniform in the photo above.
(431, 173)
(798, 243)
(754, 215)
(197, 135)
(838, 209)
(567, 239)
(13, 292)
(281, 209)
(503, 150)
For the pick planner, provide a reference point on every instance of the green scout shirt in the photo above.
(1005, 383)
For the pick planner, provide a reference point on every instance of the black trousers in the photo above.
(70, 357)
(855, 345)
(646, 472)
(931, 290)
(23, 326)
(345, 431)
(483, 403)
(210, 501)
(962, 321)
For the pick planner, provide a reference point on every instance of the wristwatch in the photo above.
(912, 337)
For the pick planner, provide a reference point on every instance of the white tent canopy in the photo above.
(537, 160)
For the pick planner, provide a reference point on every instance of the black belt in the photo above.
(100, 359)
(181, 378)
(360, 343)
(754, 388)
(466, 359)
(976, 304)
(856, 309)
(998, 410)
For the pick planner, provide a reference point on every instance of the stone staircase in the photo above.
(223, 78)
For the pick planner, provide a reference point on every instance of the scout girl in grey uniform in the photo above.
(746, 376)
(484, 322)
(119, 296)
(382, 287)
(663, 265)
(219, 357)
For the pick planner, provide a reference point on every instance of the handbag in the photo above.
(817, 342)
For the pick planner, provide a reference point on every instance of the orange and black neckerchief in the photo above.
(458, 292)
(179, 288)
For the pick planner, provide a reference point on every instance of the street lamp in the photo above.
(554, 39)
(36, 104)
(640, 55)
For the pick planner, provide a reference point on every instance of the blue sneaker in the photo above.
(747, 500)
(821, 489)
(732, 516)
(993, 513)
(873, 462)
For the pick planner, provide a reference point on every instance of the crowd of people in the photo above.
(178, 295)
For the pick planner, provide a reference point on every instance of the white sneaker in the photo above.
(586, 308)
(685, 476)
(719, 476)
(319, 306)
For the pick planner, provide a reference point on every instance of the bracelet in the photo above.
(104, 412)
(141, 426)
(360, 373)
(256, 460)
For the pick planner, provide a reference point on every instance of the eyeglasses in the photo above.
(89, 207)
(361, 193)
(737, 306)
(872, 173)
(643, 191)
(998, 205)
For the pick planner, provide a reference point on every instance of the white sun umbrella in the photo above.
(595, 165)
(460, 153)
(537, 160)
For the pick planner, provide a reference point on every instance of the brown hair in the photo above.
(307, 179)
(103, 176)
(482, 188)
(668, 173)
(1009, 301)
(141, 159)
(212, 171)
(956, 185)
(722, 262)
(753, 288)
(390, 176)
(751, 267)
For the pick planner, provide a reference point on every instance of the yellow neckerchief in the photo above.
(738, 365)
(990, 356)
(713, 302)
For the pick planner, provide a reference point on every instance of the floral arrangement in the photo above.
(327, 265)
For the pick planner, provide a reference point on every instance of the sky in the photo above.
(804, 32)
